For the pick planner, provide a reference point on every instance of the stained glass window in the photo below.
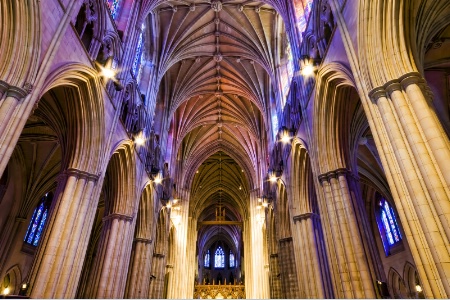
(286, 72)
(302, 12)
(389, 227)
(219, 258)
(232, 262)
(138, 56)
(37, 223)
(114, 7)
(206, 264)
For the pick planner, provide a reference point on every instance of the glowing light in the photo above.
(158, 179)
(196, 172)
(286, 139)
(265, 204)
(107, 72)
(6, 291)
(169, 205)
(24, 286)
(139, 141)
(418, 288)
(308, 70)
(273, 178)
(174, 201)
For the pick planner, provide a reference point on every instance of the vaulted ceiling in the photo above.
(216, 71)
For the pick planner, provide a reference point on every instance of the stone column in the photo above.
(60, 256)
(8, 105)
(288, 272)
(140, 269)
(423, 201)
(157, 276)
(350, 265)
(257, 279)
(275, 277)
(311, 257)
(113, 257)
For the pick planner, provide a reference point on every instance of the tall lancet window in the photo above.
(232, 262)
(114, 7)
(207, 256)
(219, 258)
(38, 220)
(387, 224)
(138, 57)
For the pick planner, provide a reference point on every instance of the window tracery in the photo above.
(38, 220)
(138, 57)
(219, 258)
(302, 12)
(388, 226)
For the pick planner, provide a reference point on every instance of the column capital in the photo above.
(335, 173)
(304, 216)
(16, 92)
(118, 216)
(143, 240)
(285, 240)
(392, 86)
(411, 78)
(377, 93)
(81, 174)
(3, 86)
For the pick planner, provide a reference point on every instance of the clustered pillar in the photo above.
(348, 260)
(62, 249)
(111, 267)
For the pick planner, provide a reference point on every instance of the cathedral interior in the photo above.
(225, 149)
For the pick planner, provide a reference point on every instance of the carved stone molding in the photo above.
(143, 240)
(118, 216)
(304, 216)
(81, 174)
(334, 174)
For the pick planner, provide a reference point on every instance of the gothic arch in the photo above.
(83, 116)
(20, 47)
(120, 181)
(15, 278)
(194, 162)
(409, 27)
(396, 284)
(332, 125)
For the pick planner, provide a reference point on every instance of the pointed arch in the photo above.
(79, 120)
(20, 48)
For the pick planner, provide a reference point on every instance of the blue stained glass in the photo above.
(137, 56)
(35, 223)
(387, 228)
(219, 258)
(30, 225)
(232, 263)
(40, 228)
(206, 264)
(141, 66)
(38, 220)
(389, 223)
(114, 7)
